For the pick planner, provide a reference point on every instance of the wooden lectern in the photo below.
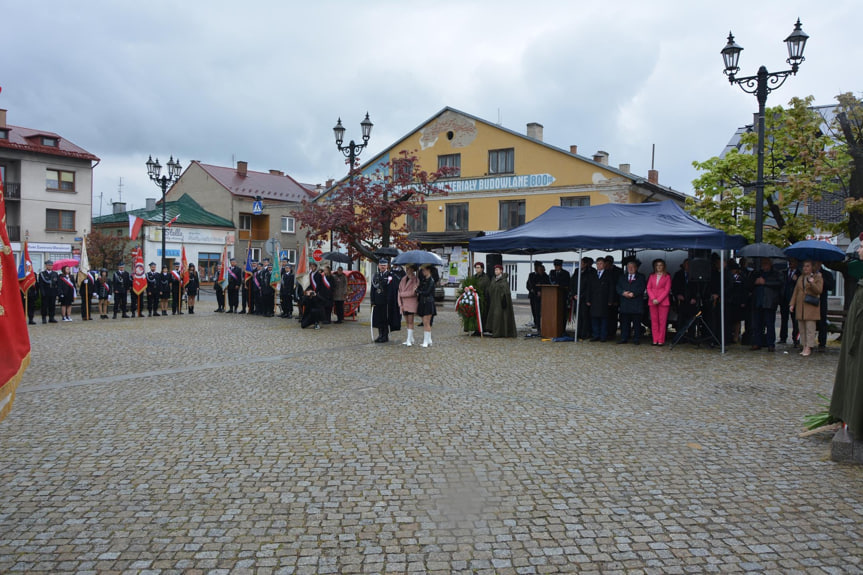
(553, 320)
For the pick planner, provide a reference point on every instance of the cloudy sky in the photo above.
(264, 81)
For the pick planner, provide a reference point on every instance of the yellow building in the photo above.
(504, 179)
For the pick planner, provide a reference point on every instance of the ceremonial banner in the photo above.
(14, 337)
(26, 275)
(222, 280)
(249, 271)
(184, 268)
(84, 264)
(139, 276)
(135, 224)
(302, 273)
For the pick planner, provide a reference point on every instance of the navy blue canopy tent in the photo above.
(652, 225)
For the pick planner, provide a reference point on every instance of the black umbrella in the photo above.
(418, 257)
(386, 252)
(338, 257)
(762, 250)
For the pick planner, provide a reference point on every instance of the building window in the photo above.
(60, 220)
(511, 214)
(60, 180)
(501, 161)
(207, 266)
(4, 134)
(292, 257)
(245, 222)
(420, 222)
(48, 141)
(575, 202)
(456, 217)
(287, 225)
(403, 170)
(452, 164)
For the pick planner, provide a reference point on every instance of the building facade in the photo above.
(260, 205)
(48, 188)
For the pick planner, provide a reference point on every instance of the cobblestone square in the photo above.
(216, 444)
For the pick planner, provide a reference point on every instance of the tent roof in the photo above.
(654, 225)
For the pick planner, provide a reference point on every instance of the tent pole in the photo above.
(578, 296)
(722, 298)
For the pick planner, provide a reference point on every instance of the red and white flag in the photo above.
(139, 276)
(135, 224)
(174, 219)
(184, 268)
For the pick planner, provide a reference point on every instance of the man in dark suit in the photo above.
(630, 288)
(600, 296)
(791, 275)
(766, 285)
(121, 283)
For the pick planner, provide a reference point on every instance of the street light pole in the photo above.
(761, 85)
(154, 170)
(351, 151)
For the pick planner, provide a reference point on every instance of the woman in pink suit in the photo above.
(658, 290)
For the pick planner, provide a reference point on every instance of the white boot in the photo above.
(410, 339)
(426, 339)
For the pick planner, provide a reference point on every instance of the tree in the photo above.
(847, 130)
(802, 164)
(363, 212)
(105, 250)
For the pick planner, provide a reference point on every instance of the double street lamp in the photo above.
(154, 169)
(352, 150)
(761, 85)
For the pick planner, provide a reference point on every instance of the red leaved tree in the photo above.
(364, 213)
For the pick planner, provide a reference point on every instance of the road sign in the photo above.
(271, 246)
(317, 255)
(283, 255)
(257, 207)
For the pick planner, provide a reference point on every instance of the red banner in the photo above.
(26, 275)
(13, 324)
(139, 276)
(184, 268)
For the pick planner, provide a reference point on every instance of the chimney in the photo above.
(242, 168)
(653, 176)
(2, 118)
(601, 157)
(276, 173)
(151, 203)
(119, 207)
(625, 168)
(534, 131)
(573, 149)
(329, 183)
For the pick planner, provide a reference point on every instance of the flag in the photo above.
(302, 273)
(84, 265)
(135, 224)
(139, 276)
(184, 268)
(14, 337)
(249, 270)
(222, 280)
(26, 275)
(174, 219)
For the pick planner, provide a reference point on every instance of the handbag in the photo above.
(811, 299)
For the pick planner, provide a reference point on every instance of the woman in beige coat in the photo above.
(408, 300)
(808, 284)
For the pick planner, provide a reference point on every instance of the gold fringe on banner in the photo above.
(7, 392)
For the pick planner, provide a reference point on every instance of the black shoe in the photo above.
(622, 342)
(31, 322)
(140, 315)
(44, 320)
(338, 321)
(636, 342)
(594, 339)
(115, 316)
(243, 311)
(125, 316)
(52, 320)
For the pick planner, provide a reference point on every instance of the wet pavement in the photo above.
(210, 443)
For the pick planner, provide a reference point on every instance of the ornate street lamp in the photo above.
(761, 85)
(352, 150)
(154, 169)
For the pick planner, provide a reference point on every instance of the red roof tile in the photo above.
(28, 140)
(269, 186)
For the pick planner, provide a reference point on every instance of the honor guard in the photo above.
(87, 291)
(385, 314)
(176, 290)
(103, 292)
(286, 291)
(122, 283)
(268, 294)
(47, 281)
(235, 281)
(152, 290)
(220, 292)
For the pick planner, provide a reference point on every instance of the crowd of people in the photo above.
(623, 300)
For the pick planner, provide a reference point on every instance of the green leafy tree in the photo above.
(802, 164)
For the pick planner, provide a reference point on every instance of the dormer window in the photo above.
(49, 141)
(4, 134)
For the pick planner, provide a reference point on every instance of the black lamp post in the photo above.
(154, 169)
(352, 150)
(761, 85)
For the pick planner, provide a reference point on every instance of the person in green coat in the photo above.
(846, 402)
(501, 317)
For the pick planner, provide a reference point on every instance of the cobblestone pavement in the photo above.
(230, 444)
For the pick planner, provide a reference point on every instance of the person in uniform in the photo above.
(176, 290)
(385, 311)
(268, 293)
(313, 309)
(235, 282)
(165, 284)
(137, 299)
(121, 283)
(220, 292)
(103, 292)
(286, 291)
(66, 292)
(192, 287)
(152, 291)
(535, 279)
(325, 290)
(481, 281)
(47, 282)
(29, 303)
(87, 289)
